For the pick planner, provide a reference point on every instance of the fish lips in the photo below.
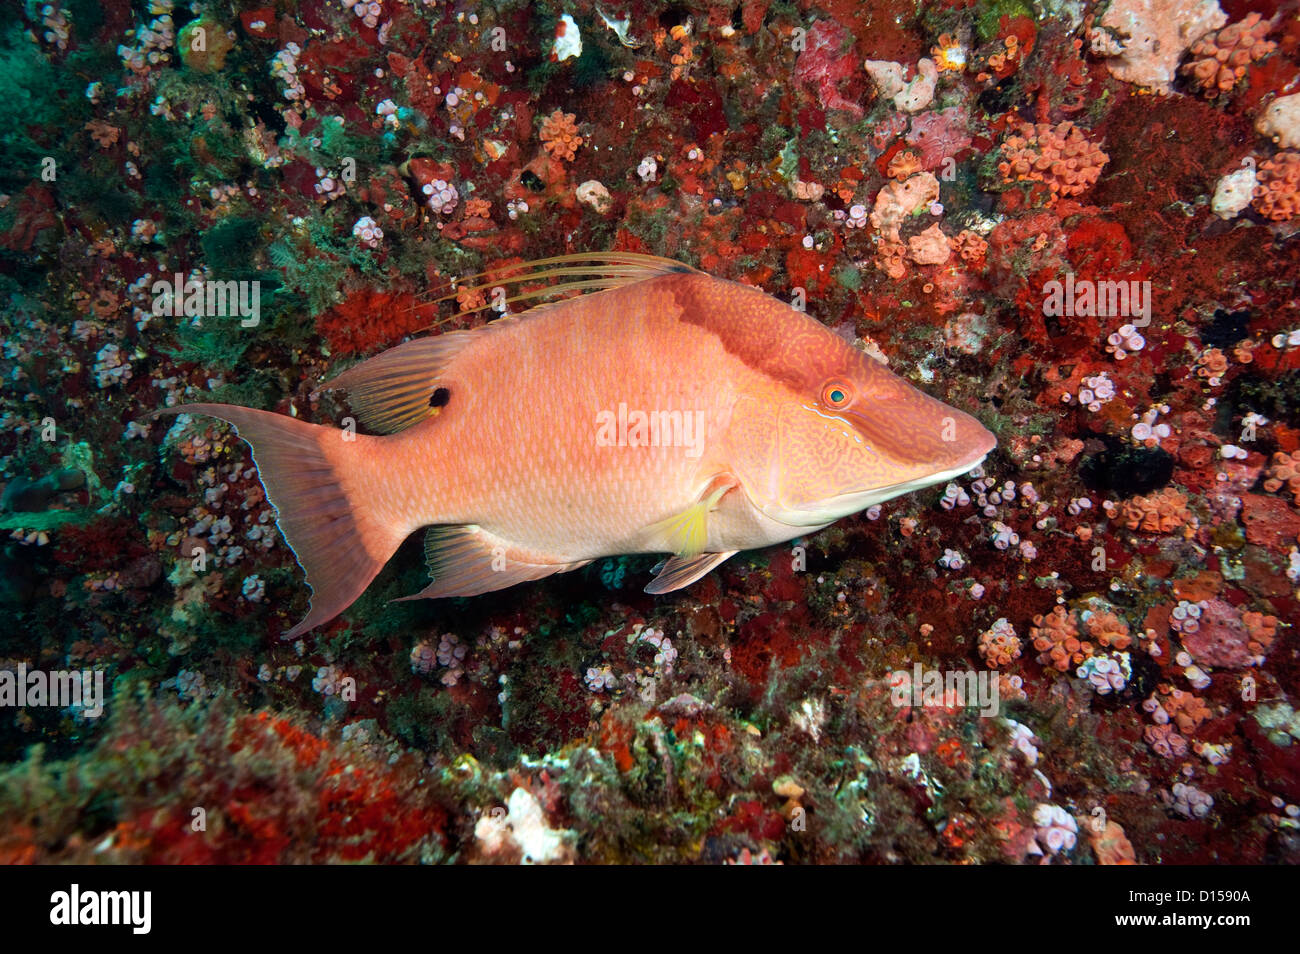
(842, 505)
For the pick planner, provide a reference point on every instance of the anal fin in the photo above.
(467, 560)
(677, 572)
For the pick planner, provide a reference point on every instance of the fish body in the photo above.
(672, 413)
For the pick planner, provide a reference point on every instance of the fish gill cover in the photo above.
(1074, 221)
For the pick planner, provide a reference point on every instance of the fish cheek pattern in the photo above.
(822, 456)
(750, 448)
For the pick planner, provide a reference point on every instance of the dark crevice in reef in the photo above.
(1226, 329)
(1277, 399)
(1125, 470)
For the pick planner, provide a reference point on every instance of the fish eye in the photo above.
(837, 395)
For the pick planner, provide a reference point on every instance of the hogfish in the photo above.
(667, 411)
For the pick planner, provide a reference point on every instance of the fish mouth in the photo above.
(985, 448)
(842, 505)
(862, 499)
(964, 445)
(979, 442)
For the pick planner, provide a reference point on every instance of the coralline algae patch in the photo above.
(1077, 222)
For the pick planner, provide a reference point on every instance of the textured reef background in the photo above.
(917, 175)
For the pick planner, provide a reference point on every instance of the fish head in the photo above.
(826, 430)
(863, 435)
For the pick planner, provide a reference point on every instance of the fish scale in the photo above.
(531, 476)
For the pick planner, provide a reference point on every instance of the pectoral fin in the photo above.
(677, 572)
(687, 532)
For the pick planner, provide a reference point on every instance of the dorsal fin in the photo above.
(583, 271)
(391, 391)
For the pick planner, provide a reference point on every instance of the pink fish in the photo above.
(669, 412)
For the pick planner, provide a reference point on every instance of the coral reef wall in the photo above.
(1077, 221)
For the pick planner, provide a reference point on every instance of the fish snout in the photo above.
(970, 441)
(922, 435)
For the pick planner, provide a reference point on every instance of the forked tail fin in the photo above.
(340, 539)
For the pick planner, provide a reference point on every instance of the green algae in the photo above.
(227, 244)
(45, 520)
(212, 346)
(849, 277)
(42, 110)
(1277, 398)
(990, 14)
